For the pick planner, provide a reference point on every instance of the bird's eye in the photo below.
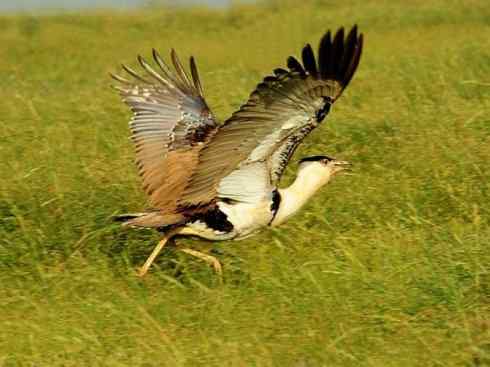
(327, 160)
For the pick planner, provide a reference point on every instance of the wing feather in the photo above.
(309, 60)
(180, 69)
(281, 111)
(295, 65)
(195, 76)
(170, 123)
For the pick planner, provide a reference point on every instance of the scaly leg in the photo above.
(211, 260)
(167, 237)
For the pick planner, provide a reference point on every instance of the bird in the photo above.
(220, 181)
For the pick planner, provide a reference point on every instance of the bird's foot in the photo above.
(211, 260)
(146, 266)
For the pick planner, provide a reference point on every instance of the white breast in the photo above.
(247, 218)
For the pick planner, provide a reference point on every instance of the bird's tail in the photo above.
(148, 220)
(128, 218)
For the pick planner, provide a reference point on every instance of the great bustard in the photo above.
(220, 181)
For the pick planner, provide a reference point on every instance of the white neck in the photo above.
(307, 183)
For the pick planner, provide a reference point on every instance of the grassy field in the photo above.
(388, 267)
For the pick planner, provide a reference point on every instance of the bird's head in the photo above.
(322, 166)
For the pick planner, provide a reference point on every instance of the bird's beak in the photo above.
(343, 166)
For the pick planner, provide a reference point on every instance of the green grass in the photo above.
(388, 267)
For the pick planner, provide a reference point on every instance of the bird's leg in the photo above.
(211, 260)
(144, 269)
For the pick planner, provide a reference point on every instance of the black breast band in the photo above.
(276, 201)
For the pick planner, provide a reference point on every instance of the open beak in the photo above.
(344, 166)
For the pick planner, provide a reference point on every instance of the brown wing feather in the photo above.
(170, 125)
(285, 106)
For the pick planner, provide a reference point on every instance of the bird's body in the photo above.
(220, 181)
(232, 221)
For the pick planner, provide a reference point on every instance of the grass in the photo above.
(388, 267)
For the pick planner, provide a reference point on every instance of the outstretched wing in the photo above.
(282, 110)
(170, 124)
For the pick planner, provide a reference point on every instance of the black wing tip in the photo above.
(309, 61)
(295, 66)
(338, 56)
